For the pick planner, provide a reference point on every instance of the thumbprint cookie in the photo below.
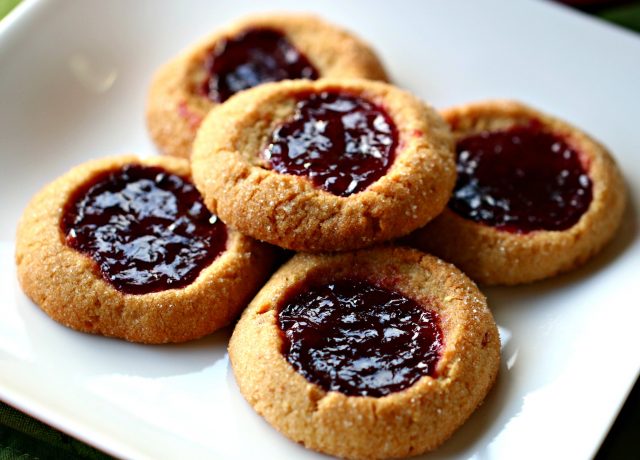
(379, 353)
(332, 165)
(247, 53)
(125, 247)
(534, 197)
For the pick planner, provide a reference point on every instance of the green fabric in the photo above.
(626, 16)
(5, 7)
(22, 437)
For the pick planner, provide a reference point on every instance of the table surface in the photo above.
(26, 438)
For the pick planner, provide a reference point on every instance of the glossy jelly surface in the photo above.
(520, 180)
(148, 230)
(253, 57)
(359, 339)
(342, 142)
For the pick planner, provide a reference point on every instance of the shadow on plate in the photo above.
(81, 354)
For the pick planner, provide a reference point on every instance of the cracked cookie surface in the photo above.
(405, 421)
(291, 211)
(77, 289)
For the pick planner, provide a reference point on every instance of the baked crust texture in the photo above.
(68, 286)
(288, 210)
(403, 423)
(496, 257)
(175, 108)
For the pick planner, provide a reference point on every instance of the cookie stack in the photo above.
(281, 132)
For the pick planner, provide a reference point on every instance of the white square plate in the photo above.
(73, 82)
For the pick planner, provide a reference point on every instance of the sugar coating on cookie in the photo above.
(380, 353)
(534, 197)
(249, 52)
(331, 165)
(125, 247)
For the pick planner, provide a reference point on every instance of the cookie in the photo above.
(381, 353)
(332, 165)
(535, 196)
(125, 247)
(255, 50)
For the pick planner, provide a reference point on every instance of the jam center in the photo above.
(520, 180)
(253, 57)
(359, 339)
(343, 143)
(148, 230)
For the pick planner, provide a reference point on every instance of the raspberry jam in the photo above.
(148, 230)
(253, 57)
(359, 339)
(520, 180)
(343, 143)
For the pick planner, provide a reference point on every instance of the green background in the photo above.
(22, 437)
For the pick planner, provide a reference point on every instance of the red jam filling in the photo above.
(343, 143)
(148, 230)
(253, 57)
(359, 339)
(520, 180)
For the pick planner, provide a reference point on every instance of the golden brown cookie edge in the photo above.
(495, 257)
(66, 285)
(288, 210)
(404, 423)
(174, 113)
